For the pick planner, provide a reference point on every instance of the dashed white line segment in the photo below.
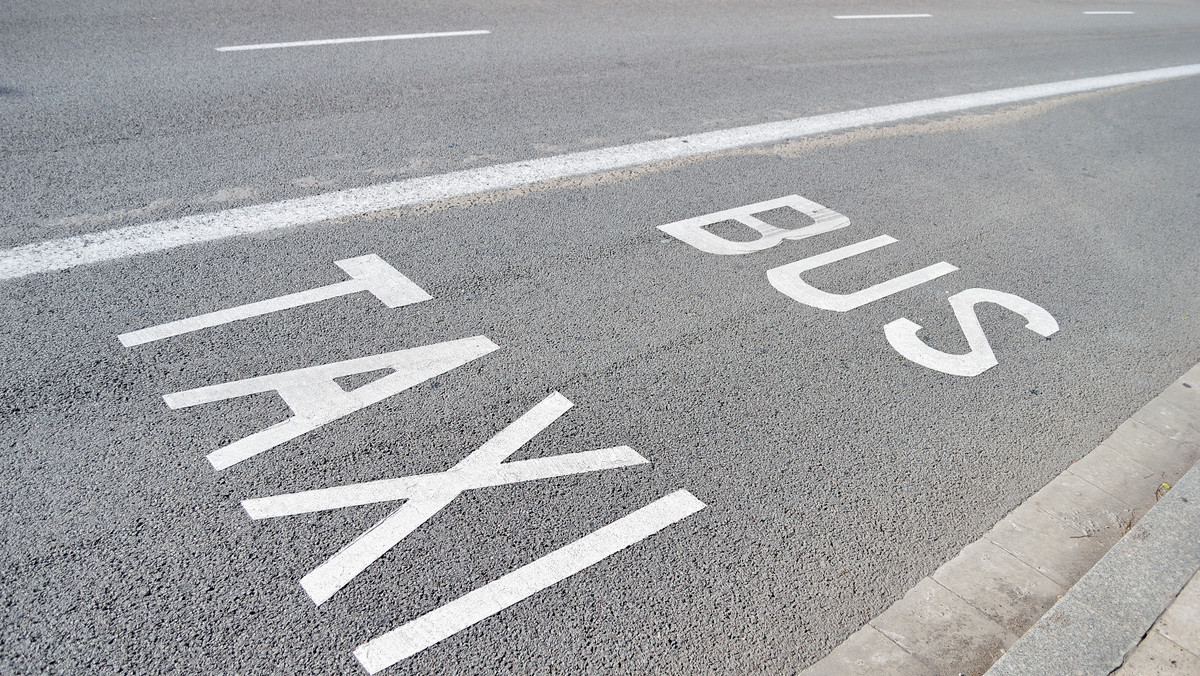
(882, 16)
(339, 41)
(98, 247)
(1109, 12)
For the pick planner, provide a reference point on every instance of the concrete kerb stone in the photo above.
(1185, 392)
(1082, 506)
(1170, 420)
(931, 617)
(1106, 614)
(1173, 645)
(1150, 447)
(1120, 476)
(1058, 551)
(1013, 575)
(999, 585)
(869, 653)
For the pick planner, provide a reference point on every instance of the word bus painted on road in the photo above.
(902, 333)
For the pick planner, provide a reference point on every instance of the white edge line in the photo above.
(882, 16)
(339, 41)
(107, 245)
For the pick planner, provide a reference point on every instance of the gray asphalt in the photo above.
(836, 473)
(121, 113)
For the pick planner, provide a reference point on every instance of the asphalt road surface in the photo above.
(753, 465)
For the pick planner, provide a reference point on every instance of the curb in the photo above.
(970, 612)
(1106, 614)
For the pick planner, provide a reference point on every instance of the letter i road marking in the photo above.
(405, 641)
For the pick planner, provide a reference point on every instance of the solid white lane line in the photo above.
(1122, 12)
(405, 641)
(69, 252)
(339, 41)
(882, 16)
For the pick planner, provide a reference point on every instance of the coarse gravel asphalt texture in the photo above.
(835, 472)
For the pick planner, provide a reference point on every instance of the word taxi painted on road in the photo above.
(316, 399)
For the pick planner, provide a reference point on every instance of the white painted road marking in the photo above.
(902, 333)
(316, 398)
(421, 486)
(339, 41)
(786, 278)
(883, 16)
(1112, 12)
(692, 230)
(427, 494)
(108, 245)
(367, 273)
(410, 639)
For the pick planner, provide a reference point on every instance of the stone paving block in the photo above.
(999, 585)
(1150, 447)
(1184, 394)
(1139, 577)
(1192, 376)
(1129, 588)
(1102, 619)
(868, 652)
(1158, 656)
(944, 631)
(1081, 505)
(1181, 622)
(1171, 421)
(1120, 476)
(1046, 544)
(1065, 641)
